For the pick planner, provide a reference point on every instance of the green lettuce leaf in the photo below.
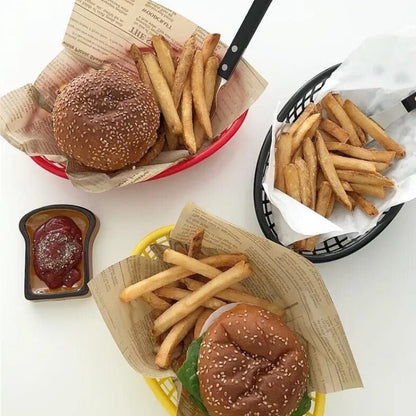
(187, 374)
(303, 406)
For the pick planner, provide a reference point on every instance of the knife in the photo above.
(242, 39)
(386, 117)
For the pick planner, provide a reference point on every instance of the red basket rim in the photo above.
(59, 169)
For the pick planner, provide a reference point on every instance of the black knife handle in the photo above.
(243, 37)
(410, 102)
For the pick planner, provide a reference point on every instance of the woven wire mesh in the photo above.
(333, 248)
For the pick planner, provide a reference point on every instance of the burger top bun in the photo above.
(105, 119)
(251, 363)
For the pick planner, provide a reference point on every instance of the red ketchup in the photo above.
(57, 252)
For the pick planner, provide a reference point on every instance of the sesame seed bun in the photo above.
(105, 119)
(251, 363)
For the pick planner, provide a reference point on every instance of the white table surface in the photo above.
(59, 357)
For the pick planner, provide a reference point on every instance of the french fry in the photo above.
(369, 190)
(298, 154)
(311, 160)
(163, 93)
(176, 293)
(164, 56)
(334, 130)
(308, 111)
(380, 166)
(320, 177)
(329, 171)
(176, 335)
(318, 108)
(344, 120)
(154, 151)
(323, 202)
(303, 130)
(187, 119)
(231, 295)
(210, 79)
(200, 322)
(330, 205)
(349, 163)
(360, 133)
(137, 57)
(372, 155)
(304, 182)
(292, 184)
(365, 205)
(373, 129)
(172, 139)
(155, 301)
(192, 302)
(198, 93)
(339, 99)
(365, 178)
(209, 45)
(174, 274)
(183, 69)
(327, 137)
(282, 158)
(299, 245)
(347, 186)
(196, 244)
(311, 132)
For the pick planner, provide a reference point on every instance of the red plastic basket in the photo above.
(59, 169)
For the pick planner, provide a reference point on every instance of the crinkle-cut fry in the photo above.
(282, 159)
(369, 190)
(174, 274)
(292, 183)
(350, 163)
(344, 120)
(329, 171)
(163, 94)
(309, 110)
(371, 155)
(353, 176)
(365, 205)
(164, 56)
(176, 335)
(309, 154)
(198, 93)
(323, 202)
(176, 293)
(373, 129)
(192, 302)
(231, 295)
(209, 45)
(188, 136)
(200, 322)
(155, 301)
(183, 69)
(195, 246)
(303, 130)
(304, 182)
(334, 130)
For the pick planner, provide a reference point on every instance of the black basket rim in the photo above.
(258, 187)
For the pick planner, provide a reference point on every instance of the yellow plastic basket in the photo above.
(164, 388)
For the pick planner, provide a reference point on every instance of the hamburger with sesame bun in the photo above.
(247, 362)
(105, 119)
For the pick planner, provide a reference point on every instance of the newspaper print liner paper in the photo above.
(101, 32)
(280, 276)
(376, 76)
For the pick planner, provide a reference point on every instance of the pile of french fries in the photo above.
(322, 159)
(184, 86)
(185, 295)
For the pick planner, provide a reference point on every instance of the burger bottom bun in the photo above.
(251, 363)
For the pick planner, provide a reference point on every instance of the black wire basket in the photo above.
(333, 248)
